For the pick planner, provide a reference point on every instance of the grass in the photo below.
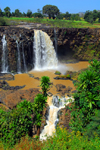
(54, 22)
(61, 140)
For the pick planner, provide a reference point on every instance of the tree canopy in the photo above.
(7, 12)
(50, 10)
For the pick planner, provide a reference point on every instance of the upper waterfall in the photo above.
(45, 55)
(4, 55)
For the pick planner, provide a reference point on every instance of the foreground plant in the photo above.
(87, 97)
(15, 123)
(40, 102)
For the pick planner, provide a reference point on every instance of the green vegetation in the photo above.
(3, 22)
(71, 141)
(15, 123)
(18, 122)
(51, 11)
(84, 124)
(87, 98)
(61, 140)
(45, 84)
(57, 72)
(52, 16)
(92, 16)
(53, 22)
(68, 76)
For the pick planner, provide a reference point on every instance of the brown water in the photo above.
(24, 79)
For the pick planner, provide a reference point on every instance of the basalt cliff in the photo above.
(69, 43)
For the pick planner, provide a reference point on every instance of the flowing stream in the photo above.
(18, 58)
(55, 103)
(45, 55)
(25, 68)
(4, 55)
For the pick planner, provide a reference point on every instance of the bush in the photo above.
(93, 128)
(15, 123)
(72, 141)
(87, 97)
(45, 84)
(58, 73)
(3, 22)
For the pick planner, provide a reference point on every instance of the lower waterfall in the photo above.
(4, 55)
(45, 55)
(55, 105)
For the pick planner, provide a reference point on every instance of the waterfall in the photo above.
(55, 39)
(45, 56)
(4, 55)
(18, 58)
(25, 68)
(55, 105)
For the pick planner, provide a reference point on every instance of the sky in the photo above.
(72, 6)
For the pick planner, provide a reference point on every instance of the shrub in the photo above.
(87, 97)
(3, 22)
(45, 84)
(57, 73)
(38, 105)
(15, 123)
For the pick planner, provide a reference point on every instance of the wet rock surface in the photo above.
(62, 89)
(64, 116)
(70, 44)
(6, 76)
(11, 98)
(5, 86)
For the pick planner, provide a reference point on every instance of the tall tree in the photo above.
(7, 12)
(17, 13)
(29, 13)
(88, 16)
(95, 15)
(50, 10)
(1, 14)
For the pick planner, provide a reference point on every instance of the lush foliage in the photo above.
(15, 123)
(40, 100)
(18, 122)
(91, 16)
(72, 141)
(61, 140)
(51, 11)
(57, 72)
(7, 12)
(3, 22)
(38, 105)
(87, 97)
(45, 84)
(93, 128)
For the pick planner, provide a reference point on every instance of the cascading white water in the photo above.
(18, 58)
(55, 105)
(4, 55)
(55, 39)
(45, 56)
(25, 68)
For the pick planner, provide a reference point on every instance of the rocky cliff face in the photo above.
(81, 44)
(24, 38)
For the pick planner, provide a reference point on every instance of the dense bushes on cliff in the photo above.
(87, 100)
(15, 123)
(18, 122)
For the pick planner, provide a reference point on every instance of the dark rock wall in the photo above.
(81, 44)
(22, 36)
(72, 43)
